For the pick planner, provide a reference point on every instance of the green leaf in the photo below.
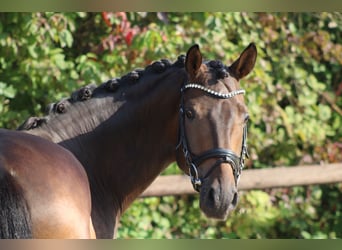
(324, 112)
(66, 38)
(7, 91)
(32, 51)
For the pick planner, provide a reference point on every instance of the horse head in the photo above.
(213, 128)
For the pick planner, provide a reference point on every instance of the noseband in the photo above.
(222, 155)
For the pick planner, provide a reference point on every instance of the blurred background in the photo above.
(294, 96)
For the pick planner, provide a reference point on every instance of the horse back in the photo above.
(49, 180)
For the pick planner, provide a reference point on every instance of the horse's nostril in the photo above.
(235, 199)
(211, 195)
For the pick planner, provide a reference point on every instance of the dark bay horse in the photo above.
(44, 190)
(127, 130)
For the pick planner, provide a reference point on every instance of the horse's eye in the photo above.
(190, 114)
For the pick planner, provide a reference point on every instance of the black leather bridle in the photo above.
(222, 155)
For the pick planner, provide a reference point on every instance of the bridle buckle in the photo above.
(195, 180)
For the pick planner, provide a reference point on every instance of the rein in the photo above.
(223, 155)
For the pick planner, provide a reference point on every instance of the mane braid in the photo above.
(92, 90)
(219, 68)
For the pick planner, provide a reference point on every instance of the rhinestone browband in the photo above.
(213, 92)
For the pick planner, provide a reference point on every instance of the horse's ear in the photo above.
(193, 61)
(245, 63)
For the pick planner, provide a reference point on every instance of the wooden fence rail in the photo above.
(255, 179)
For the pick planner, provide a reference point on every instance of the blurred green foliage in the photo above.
(293, 95)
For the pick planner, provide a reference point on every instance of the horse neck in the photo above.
(126, 147)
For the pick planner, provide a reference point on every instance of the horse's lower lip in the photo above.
(218, 216)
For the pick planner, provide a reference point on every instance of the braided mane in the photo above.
(111, 86)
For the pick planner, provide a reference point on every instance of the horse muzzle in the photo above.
(218, 193)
